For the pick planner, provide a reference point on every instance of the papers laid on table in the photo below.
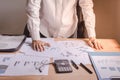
(20, 65)
(30, 62)
(49, 51)
(76, 50)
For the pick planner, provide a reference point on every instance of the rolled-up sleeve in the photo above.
(33, 23)
(88, 16)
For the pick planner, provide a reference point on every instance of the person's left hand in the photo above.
(92, 42)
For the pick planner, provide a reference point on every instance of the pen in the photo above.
(74, 64)
(88, 70)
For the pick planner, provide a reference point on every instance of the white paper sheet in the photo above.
(49, 51)
(22, 65)
(9, 42)
(107, 66)
(76, 50)
(4, 62)
(5, 58)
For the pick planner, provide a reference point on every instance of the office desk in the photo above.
(80, 74)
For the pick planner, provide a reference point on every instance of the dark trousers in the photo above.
(27, 34)
(80, 33)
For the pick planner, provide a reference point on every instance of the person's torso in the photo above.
(58, 17)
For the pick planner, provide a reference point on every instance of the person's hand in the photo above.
(92, 42)
(39, 45)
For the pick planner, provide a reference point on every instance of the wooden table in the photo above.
(109, 45)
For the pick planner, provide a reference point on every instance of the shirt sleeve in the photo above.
(88, 16)
(33, 22)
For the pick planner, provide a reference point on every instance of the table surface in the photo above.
(109, 45)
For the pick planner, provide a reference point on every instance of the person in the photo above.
(58, 19)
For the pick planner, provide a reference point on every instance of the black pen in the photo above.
(74, 64)
(88, 70)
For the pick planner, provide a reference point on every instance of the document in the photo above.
(21, 65)
(76, 50)
(5, 58)
(106, 64)
(4, 62)
(30, 62)
(51, 51)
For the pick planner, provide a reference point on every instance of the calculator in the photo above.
(62, 66)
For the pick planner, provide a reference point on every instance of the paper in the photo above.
(76, 50)
(49, 51)
(9, 42)
(5, 58)
(30, 62)
(4, 62)
(107, 67)
(22, 65)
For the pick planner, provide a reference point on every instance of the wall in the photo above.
(12, 16)
(118, 21)
(105, 22)
(107, 18)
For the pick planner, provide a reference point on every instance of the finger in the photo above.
(41, 48)
(47, 44)
(100, 46)
(37, 47)
(90, 44)
(95, 45)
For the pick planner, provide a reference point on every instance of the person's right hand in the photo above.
(38, 45)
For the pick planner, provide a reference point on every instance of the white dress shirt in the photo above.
(57, 18)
